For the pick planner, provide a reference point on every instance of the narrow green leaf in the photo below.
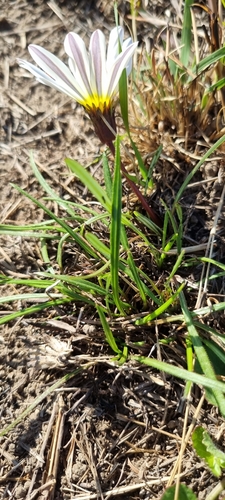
(143, 169)
(48, 189)
(153, 163)
(190, 366)
(28, 296)
(108, 332)
(107, 176)
(79, 240)
(201, 353)
(209, 60)
(132, 266)
(36, 309)
(186, 33)
(85, 177)
(27, 234)
(79, 282)
(124, 356)
(160, 309)
(98, 244)
(216, 86)
(176, 266)
(149, 224)
(123, 94)
(115, 231)
(216, 355)
(35, 283)
(178, 372)
(213, 261)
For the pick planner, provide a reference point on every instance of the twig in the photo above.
(185, 442)
(21, 104)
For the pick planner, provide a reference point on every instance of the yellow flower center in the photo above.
(97, 102)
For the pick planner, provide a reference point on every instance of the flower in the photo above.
(91, 78)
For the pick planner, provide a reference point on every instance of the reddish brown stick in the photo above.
(153, 216)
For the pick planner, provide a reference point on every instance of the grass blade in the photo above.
(201, 353)
(79, 240)
(186, 33)
(85, 177)
(178, 372)
(160, 309)
(115, 230)
(108, 333)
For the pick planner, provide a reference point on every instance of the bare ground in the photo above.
(119, 428)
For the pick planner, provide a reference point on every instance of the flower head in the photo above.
(91, 77)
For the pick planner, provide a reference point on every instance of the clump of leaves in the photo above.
(178, 88)
(206, 449)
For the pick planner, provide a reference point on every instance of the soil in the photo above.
(113, 431)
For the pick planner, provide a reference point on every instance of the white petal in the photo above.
(126, 44)
(42, 77)
(77, 77)
(76, 50)
(97, 49)
(122, 61)
(115, 42)
(52, 66)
